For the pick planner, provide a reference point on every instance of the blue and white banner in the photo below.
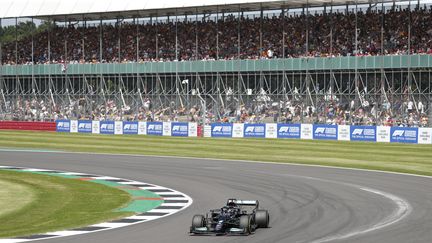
(363, 133)
(179, 129)
(328, 132)
(106, 127)
(254, 131)
(155, 128)
(63, 125)
(404, 135)
(288, 131)
(223, 130)
(130, 128)
(84, 126)
(241, 130)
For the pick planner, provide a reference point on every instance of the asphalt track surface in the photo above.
(306, 204)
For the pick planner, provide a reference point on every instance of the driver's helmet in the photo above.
(231, 204)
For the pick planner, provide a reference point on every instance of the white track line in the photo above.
(403, 209)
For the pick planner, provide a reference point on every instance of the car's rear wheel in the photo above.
(262, 218)
(245, 223)
(198, 221)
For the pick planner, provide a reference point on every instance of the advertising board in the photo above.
(254, 131)
(288, 131)
(154, 128)
(106, 127)
(63, 126)
(363, 133)
(221, 130)
(130, 127)
(325, 132)
(179, 129)
(84, 126)
(404, 135)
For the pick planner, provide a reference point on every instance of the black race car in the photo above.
(240, 217)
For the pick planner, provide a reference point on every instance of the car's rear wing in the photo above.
(252, 203)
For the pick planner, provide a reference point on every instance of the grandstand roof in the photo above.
(110, 9)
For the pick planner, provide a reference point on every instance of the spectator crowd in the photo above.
(399, 112)
(397, 31)
(273, 36)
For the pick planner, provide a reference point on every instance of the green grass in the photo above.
(53, 203)
(415, 159)
(14, 196)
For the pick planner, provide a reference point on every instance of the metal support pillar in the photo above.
(157, 38)
(217, 32)
(261, 32)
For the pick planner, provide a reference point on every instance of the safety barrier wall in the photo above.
(238, 130)
(287, 64)
(28, 126)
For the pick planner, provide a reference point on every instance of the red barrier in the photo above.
(28, 126)
(200, 131)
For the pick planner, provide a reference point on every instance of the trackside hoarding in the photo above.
(155, 128)
(254, 130)
(221, 130)
(363, 133)
(130, 128)
(106, 127)
(63, 126)
(288, 131)
(244, 130)
(326, 132)
(403, 135)
(179, 129)
(84, 126)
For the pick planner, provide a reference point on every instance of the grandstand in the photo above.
(361, 62)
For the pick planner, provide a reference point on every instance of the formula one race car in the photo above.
(241, 217)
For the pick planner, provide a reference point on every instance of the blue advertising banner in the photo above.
(363, 133)
(155, 128)
(106, 127)
(288, 130)
(254, 131)
(221, 130)
(179, 129)
(63, 125)
(84, 126)
(403, 134)
(328, 132)
(130, 128)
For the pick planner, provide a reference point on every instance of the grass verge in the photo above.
(54, 203)
(406, 158)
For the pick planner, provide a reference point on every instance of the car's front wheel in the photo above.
(198, 221)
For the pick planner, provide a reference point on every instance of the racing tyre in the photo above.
(245, 223)
(262, 218)
(198, 221)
